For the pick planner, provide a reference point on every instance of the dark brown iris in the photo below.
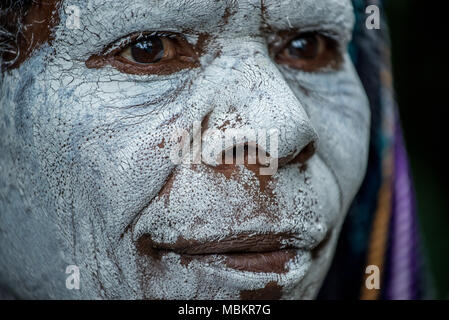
(149, 50)
(305, 46)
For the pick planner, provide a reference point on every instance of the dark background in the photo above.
(420, 34)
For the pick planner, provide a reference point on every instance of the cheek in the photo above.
(343, 127)
(105, 143)
(339, 111)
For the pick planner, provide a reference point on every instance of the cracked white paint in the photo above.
(80, 157)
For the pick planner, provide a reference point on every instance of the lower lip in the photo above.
(262, 262)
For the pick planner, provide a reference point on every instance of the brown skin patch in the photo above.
(186, 259)
(202, 43)
(224, 126)
(227, 15)
(263, 179)
(229, 169)
(263, 196)
(161, 144)
(40, 20)
(128, 227)
(145, 247)
(272, 291)
(265, 27)
(166, 189)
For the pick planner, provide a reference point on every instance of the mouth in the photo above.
(268, 253)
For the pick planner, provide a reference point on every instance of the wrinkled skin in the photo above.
(85, 171)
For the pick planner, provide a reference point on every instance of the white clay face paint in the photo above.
(88, 153)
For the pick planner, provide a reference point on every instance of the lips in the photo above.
(268, 262)
(267, 253)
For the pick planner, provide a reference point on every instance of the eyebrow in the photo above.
(336, 15)
(182, 12)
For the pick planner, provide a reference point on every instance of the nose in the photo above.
(255, 111)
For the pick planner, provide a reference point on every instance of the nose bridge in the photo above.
(253, 94)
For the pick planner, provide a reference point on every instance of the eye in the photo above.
(149, 54)
(150, 50)
(310, 52)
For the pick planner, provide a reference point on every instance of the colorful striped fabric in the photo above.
(381, 227)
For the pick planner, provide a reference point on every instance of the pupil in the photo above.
(150, 50)
(305, 46)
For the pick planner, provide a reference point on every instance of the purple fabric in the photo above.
(404, 261)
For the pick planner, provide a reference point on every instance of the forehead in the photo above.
(205, 13)
(271, 6)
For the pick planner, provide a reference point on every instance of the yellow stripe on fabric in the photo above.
(379, 231)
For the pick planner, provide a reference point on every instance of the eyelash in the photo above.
(186, 55)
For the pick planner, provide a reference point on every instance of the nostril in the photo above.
(248, 155)
(302, 157)
(306, 153)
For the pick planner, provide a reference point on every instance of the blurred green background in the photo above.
(419, 35)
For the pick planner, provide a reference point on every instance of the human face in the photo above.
(87, 178)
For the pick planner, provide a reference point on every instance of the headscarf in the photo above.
(381, 227)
